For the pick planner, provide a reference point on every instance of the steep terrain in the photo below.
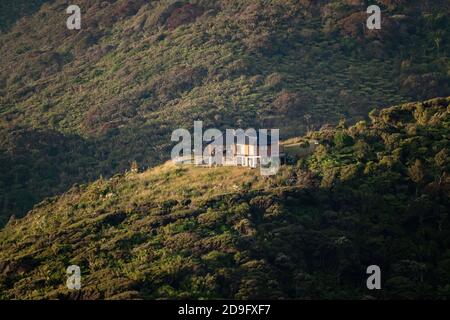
(373, 193)
(75, 105)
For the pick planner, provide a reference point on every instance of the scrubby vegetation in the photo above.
(376, 192)
(75, 105)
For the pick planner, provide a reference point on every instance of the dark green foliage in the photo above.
(308, 233)
(114, 91)
(342, 139)
(12, 10)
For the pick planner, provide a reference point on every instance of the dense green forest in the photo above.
(376, 192)
(75, 105)
(13, 10)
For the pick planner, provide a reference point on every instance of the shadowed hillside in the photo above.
(373, 193)
(90, 102)
(13, 10)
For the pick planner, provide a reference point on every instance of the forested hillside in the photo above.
(75, 105)
(376, 192)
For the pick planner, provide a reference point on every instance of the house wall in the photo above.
(246, 150)
(252, 150)
(243, 152)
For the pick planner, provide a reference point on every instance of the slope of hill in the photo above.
(373, 193)
(12, 10)
(78, 104)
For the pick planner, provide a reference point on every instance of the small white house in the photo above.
(246, 151)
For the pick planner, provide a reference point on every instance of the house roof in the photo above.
(248, 138)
